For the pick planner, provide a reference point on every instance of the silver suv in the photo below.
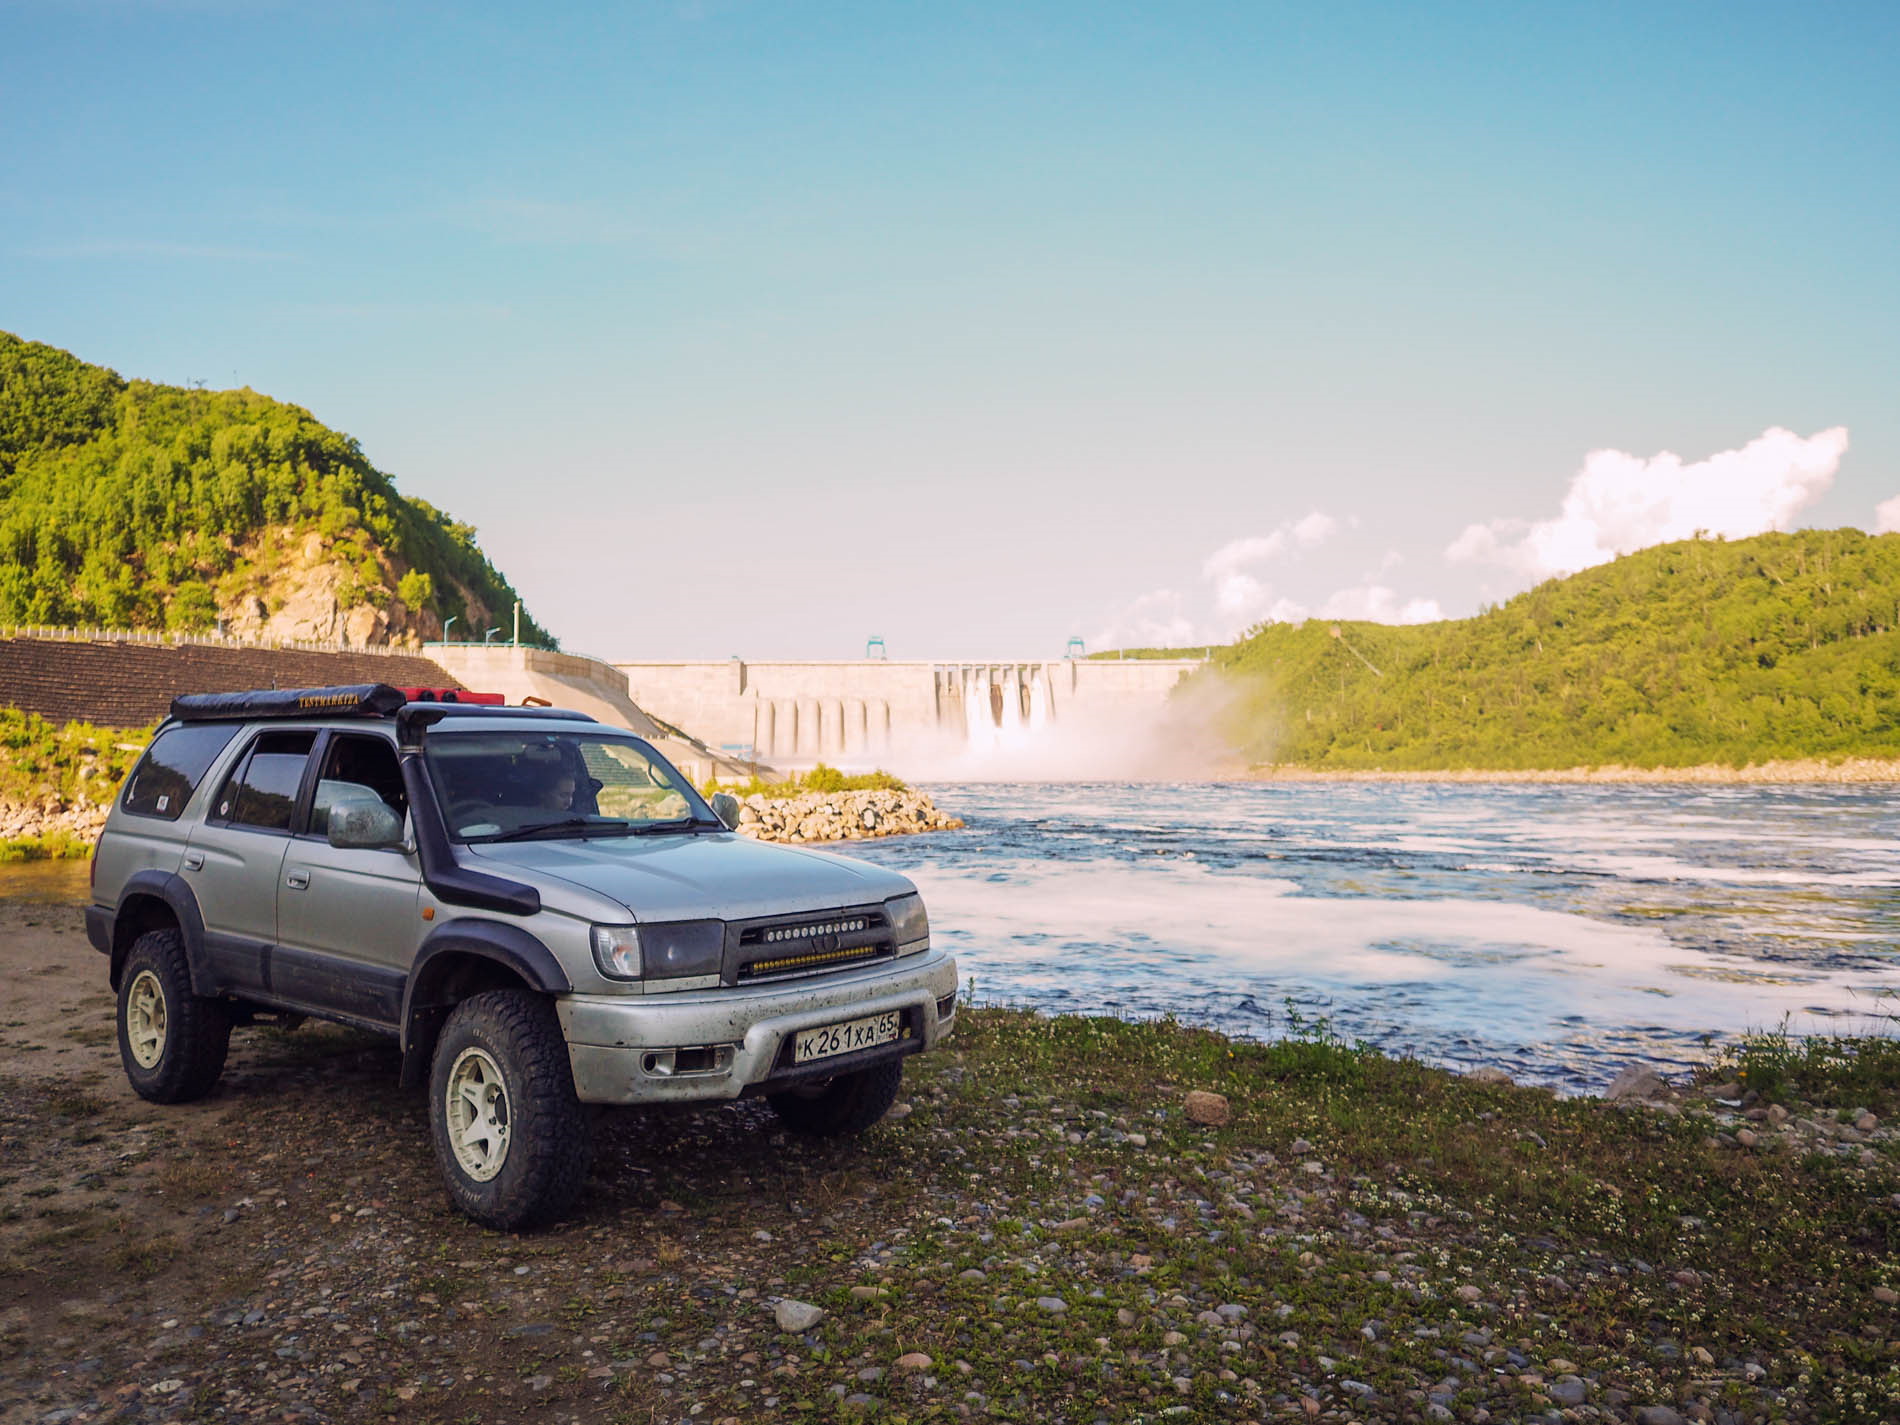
(540, 909)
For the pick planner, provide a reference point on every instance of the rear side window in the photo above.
(262, 792)
(172, 767)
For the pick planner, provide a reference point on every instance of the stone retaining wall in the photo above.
(117, 682)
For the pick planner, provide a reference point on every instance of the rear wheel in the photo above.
(509, 1133)
(842, 1106)
(172, 1042)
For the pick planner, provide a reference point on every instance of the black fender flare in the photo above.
(176, 892)
(509, 946)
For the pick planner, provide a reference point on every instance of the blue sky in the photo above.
(758, 329)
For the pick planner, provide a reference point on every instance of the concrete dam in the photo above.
(918, 717)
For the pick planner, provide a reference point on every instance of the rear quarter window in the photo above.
(172, 767)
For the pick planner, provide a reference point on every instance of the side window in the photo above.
(172, 767)
(357, 769)
(262, 792)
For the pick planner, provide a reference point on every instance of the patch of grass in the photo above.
(190, 1178)
(1838, 1072)
(822, 779)
(77, 1105)
(53, 846)
(146, 1258)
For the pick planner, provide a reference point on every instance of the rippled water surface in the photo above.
(1559, 932)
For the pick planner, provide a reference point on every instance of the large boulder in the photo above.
(1638, 1083)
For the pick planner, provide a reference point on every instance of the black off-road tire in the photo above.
(193, 1033)
(844, 1106)
(548, 1145)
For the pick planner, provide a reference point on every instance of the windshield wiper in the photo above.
(566, 824)
(684, 823)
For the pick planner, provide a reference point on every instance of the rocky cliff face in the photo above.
(299, 588)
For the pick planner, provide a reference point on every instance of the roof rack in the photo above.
(413, 707)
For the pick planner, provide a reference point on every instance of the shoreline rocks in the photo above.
(840, 816)
(50, 817)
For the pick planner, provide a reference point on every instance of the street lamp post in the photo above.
(446, 623)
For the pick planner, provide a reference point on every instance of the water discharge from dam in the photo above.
(1033, 720)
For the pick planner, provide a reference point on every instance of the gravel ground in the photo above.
(1040, 1232)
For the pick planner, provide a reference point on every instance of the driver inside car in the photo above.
(558, 795)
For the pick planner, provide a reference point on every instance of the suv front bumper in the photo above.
(624, 1048)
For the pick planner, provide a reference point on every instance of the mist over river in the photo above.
(1559, 932)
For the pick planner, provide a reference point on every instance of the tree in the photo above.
(192, 608)
(417, 590)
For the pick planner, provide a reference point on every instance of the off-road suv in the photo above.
(539, 908)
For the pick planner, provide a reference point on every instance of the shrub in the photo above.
(821, 778)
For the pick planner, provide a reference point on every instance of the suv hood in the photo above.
(716, 875)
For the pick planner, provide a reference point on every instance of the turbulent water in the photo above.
(1558, 932)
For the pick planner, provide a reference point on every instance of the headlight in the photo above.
(617, 951)
(671, 950)
(908, 922)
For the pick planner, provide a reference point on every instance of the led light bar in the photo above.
(807, 932)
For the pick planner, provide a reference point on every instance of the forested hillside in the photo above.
(132, 505)
(1783, 645)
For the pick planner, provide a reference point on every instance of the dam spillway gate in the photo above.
(796, 713)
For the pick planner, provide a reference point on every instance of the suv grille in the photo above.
(808, 944)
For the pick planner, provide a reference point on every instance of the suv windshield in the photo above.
(515, 785)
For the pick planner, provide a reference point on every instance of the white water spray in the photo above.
(979, 727)
(1038, 702)
(1011, 735)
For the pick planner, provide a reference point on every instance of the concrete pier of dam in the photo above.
(793, 714)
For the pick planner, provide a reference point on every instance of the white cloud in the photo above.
(1887, 516)
(1155, 620)
(1620, 502)
(1316, 528)
(1376, 603)
(1240, 593)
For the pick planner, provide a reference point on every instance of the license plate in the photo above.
(844, 1038)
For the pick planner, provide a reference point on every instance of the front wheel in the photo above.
(509, 1133)
(842, 1106)
(172, 1042)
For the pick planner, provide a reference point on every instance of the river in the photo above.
(1558, 932)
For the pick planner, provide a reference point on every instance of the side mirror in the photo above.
(726, 807)
(364, 826)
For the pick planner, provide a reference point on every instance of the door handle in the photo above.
(194, 860)
(298, 880)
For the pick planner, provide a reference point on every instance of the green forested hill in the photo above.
(132, 505)
(1779, 646)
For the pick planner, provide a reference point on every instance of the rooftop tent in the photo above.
(358, 700)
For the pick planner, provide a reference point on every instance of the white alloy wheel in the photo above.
(145, 1019)
(477, 1113)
